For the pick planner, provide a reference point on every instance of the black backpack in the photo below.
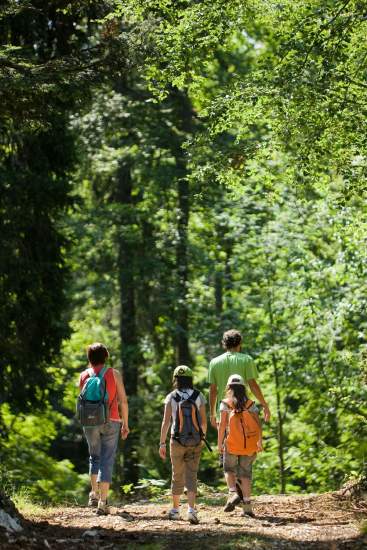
(187, 427)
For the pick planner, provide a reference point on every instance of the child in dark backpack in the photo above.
(185, 409)
(103, 440)
(239, 439)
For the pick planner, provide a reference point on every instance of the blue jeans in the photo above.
(102, 444)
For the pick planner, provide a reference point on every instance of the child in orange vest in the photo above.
(239, 440)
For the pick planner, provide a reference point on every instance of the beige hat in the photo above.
(235, 379)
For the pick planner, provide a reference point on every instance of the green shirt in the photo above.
(223, 366)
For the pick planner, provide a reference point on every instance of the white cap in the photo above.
(236, 379)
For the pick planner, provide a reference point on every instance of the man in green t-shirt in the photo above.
(232, 361)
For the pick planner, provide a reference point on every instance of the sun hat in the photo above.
(182, 370)
(235, 379)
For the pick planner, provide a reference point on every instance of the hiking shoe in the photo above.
(173, 514)
(232, 502)
(93, 500)
(247, 510)
(103, 509)
(193, 517)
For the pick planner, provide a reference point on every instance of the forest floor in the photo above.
(282, 522)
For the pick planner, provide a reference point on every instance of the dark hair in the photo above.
(231, 339)
(237, 394)
(97, 353)
(182, 383)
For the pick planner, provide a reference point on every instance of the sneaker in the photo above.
(193, 517)
(173, 514)
(103, 509)
(93, 500)
(247, 509)
(232, 502)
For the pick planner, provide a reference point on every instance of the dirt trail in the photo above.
(282, 522)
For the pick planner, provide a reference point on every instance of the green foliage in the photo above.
(27, 467)
(215, 179)
(34, 187)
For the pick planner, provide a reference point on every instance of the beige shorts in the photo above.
(239, 464)
(185, 465)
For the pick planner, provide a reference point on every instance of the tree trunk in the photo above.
(282, 475)
(182, 330)
(218, 294)
(185, 120)
(130, 355)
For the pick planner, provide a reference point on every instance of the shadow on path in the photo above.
(44, 535)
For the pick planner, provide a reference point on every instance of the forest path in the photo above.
(282, 522)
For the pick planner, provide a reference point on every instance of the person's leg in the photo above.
(191, 499)
(104, 487)
(94, 494)
(230, 463)
(245, 487)
(245, 479)
(109, 442)
(231, 480)
(177, 452)
(94, 483)
(93, 437)
(176, 501)
(192, 460)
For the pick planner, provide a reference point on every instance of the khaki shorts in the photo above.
(185, 465)
(239, 465)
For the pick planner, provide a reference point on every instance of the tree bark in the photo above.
(185, 120)
(218, 294)
(282, 475)
(130, 355)
(182, 320)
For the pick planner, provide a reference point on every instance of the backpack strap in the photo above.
(91, 374)
(193, 397)
(102, 372)
(102, 377)
(177, 397)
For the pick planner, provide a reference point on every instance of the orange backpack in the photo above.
(243, 431)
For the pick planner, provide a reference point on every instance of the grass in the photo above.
(27, 507)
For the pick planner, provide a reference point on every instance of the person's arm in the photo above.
(255, 388)
(204, 423)
(166, 422)
(122, 403)
(222, 430)
(213, 392)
